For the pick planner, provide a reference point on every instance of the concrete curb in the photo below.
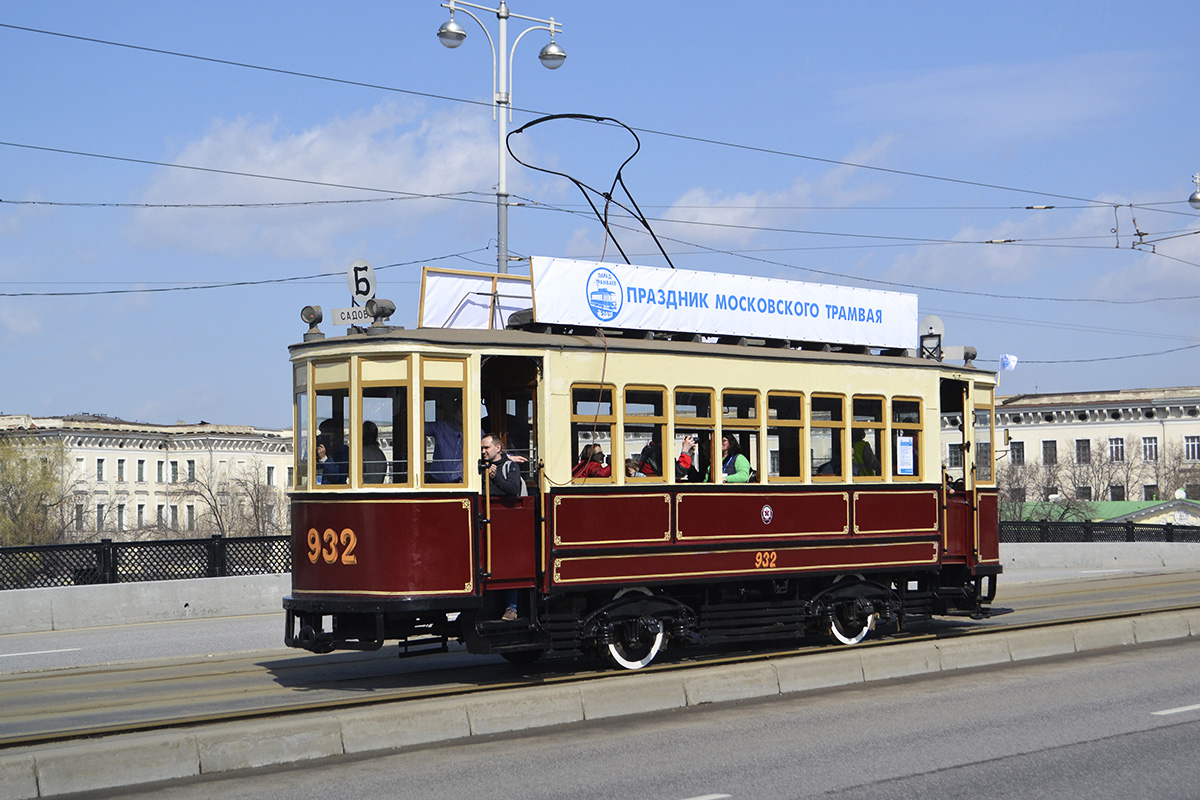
(129, 760)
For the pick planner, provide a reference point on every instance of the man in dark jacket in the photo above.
(504, 476)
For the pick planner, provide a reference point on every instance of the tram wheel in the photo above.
(848, 624)
(522, 658)
(635, 643)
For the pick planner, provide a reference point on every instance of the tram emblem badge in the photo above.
(604, 294)
(768, 514)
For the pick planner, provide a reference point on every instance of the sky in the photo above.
(178, 180)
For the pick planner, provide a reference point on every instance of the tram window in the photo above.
(785, 433)
(746, 442)
(826, 437)
(906, 439)
(300, 473)
(332, 457)
(739, 408)
(592, 420)
(385, 435)
(867, 437)
(694, 419)
(444, 448)
(645, 423)
(984, 432)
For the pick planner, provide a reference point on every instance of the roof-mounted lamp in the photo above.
(1194, 200)
(313, 316)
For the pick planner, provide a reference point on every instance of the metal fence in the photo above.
(1055, 532)
(129, 562)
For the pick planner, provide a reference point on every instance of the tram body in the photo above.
(416, 550)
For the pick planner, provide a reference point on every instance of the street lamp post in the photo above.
(452, 34)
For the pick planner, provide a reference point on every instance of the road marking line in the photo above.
(1179, 710)
(711, 797)
(41, 652)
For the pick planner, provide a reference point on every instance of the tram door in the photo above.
(958, 513)
(508, 546)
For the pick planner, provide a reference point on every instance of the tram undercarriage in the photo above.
(631, 626)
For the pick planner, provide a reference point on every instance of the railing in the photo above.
(129, 562)
(1054, 532)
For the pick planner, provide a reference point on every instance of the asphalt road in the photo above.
(1118, 724)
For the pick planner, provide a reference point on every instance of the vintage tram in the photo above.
(867, 493)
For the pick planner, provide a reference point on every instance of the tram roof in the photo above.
(390, 338)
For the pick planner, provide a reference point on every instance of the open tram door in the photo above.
(958, 478)
(509, 525)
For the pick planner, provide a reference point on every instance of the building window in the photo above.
(162, 515)
(1083, 493)
(955, 460)
(174, 472)
(1049, 453)
(120, 516)
(1150, 491)
(191, 518)
(160, 472)
(1083, 451)
(291, 475)
(1192, 491)
(120, 470)
(141, 515)
(141, 470)
(99, 516)
(270, 475)
(1017, 494)
(99, 470)
(191, 470)
(174, 517)
(1116, 492)
(1116, 449)
(79, 516)
(1150, 448)
(1017, 449)
(1051, 494)
(1191, 448)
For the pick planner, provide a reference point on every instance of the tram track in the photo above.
(77, 703)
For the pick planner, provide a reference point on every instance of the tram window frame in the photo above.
(443, 385)
(330, 380)
(789, 427)
(747, 431)
(905, 428)
(868, 415)
(817, 425)
(984, 462)
(594, 423)
(702, 428)
(382, 379)
(300, 417)
(654, 423)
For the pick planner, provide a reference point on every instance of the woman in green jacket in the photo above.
(736, 466)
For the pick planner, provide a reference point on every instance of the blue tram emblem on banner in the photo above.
(604, 294)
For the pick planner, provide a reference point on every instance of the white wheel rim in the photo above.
(862, 634)
(615, 653)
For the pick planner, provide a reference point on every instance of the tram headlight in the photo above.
(313, 316)
(380, 309)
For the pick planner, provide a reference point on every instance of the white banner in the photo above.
(453, 299)
(569, 292)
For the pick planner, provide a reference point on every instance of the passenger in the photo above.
(333, 457)
(591, 463)
(650, 460)
(374, 462)
(863, 459)
(446, 430)
(735, 465)
(631, 468)
(504, 480)
(686, 468)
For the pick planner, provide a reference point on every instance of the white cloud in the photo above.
(387, 147)
(20, 320)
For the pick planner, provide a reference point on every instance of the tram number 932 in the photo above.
(764, 559)
(332, 547)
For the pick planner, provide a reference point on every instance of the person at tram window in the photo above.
(504, 480)
(686, 466)
(591, 463)
(650, 460)
(333, 457)
(374, 462)
(734, 465)
(446, 430)
(863, 460)
(631, 468)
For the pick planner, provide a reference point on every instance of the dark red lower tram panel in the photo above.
(889, 512)
(729, 516)
(374, 547)
(989, 526)
(749, 563)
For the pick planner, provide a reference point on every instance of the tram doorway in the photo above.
(508, 396)
(957, 473)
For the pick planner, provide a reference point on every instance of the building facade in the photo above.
(130, 480)
(1132, 444)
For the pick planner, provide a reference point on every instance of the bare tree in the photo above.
(36, 488)
(259, 502)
